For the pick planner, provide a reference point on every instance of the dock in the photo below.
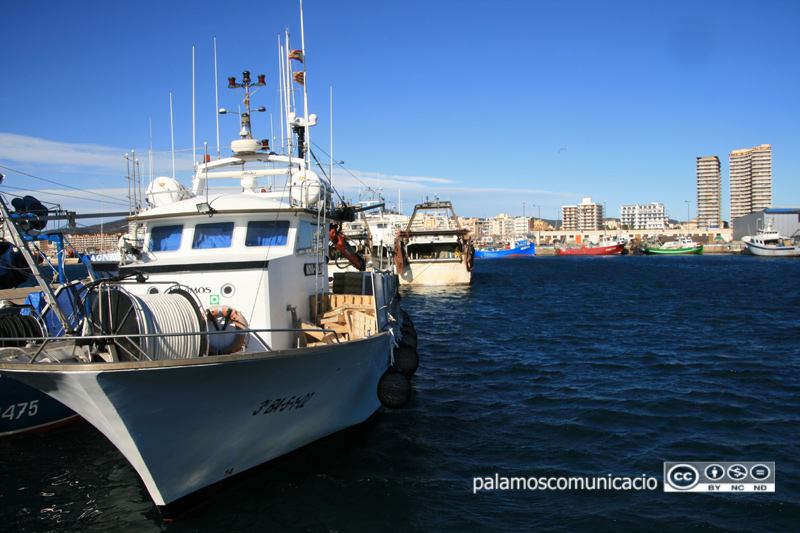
(18, 295)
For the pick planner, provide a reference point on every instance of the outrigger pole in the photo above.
(13, 229)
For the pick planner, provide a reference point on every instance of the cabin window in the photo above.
(267, 233)
(166, 238)
(214, 235)
(309, 238)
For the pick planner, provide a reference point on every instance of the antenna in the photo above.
(150, 155)
(216, 91)
(172, 134)
(194, 129)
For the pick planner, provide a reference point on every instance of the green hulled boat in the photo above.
(681, 245)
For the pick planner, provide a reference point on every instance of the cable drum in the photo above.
(124, 315)
(168, 313)
(19, 326)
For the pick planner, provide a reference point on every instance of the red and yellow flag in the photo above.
(296, 54)
(299, 77)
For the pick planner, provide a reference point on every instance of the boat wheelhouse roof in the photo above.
(234, 203)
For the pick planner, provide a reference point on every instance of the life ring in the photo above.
(222, 318)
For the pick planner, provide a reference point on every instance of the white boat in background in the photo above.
(383, 227)
(769, 242)
(220, 347)
(434, 249)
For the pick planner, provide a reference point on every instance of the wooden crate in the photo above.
(333, 301)
(351, 316)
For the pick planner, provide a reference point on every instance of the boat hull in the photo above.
(528, 250)
(186, 425)
(674, 251)
(596, 250)
(773, 251)
(24, 409)
(435, 272)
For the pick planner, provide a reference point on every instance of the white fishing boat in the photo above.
(769, 242)
(219, 346)
(434, 249)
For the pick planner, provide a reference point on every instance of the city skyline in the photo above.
(572, 100)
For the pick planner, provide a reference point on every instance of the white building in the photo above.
(751, 180)
(648, 216)
(502, 227)
(522, 227)
(585, 216)
(709, 192)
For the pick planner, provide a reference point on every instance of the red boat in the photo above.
(608, 245)
(591, 250)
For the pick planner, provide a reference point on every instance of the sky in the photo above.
(500, 107)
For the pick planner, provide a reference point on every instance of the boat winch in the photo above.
(153, 327)
(16, 326)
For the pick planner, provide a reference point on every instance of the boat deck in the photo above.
(18, 295)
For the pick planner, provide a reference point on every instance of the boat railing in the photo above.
(85, 340)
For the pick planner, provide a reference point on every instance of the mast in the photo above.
(305, 91)
(245, 133)
(283, 90)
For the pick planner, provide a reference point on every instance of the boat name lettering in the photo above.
(20, 409)
(200, 290)
(281, 404)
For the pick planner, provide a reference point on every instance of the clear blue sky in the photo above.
(488, 104)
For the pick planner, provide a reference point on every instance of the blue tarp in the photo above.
(66, 297)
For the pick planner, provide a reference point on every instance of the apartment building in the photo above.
(585, 216)
(751, 180)
(651, 216)
(709, 192)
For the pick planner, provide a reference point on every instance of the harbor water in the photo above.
(544, 367)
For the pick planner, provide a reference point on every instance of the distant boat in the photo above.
(434, 249)
(106, 263)
(768, 242)
(522, 248)
(606, 246)
(681, 245)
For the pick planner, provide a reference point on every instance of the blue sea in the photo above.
(544, 367)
